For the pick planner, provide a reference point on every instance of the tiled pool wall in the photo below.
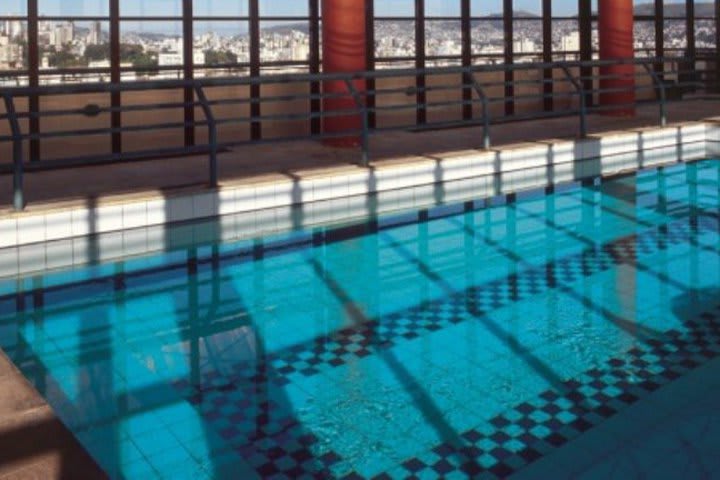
(121, 227)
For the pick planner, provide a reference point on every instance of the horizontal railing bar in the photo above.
(660, 75)
(105, 131)
(303, 77)
(299, 116)
(286, 117)
(355, 132)
(310, 115)
(104, 110)
(377, 93)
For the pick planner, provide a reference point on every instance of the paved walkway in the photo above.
(33, 442)
(307, 157)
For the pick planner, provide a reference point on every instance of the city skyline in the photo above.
(149, 45)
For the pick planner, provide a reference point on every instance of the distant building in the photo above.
(198, 56)
(10, 54)
(95, 35)
(99, 64)
(570, 42)
(300, 51)
(167, 59)
(62, 34)
(524, 45)
(171, 59)
(12, 29)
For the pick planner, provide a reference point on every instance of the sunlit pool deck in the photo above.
(482, 294)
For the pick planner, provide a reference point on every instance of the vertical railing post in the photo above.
(212, 134)
(365, 134)
(486, 110)
(660, 85)
(581, 92)
(365, 139)
(18, 188)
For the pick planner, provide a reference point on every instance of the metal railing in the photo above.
(581, 81)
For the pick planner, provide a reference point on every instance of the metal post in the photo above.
(18, 193)
(314, 66)
(486, 111)
(659, 33)
(690, 30)
(115, 77)
(716, 66)
(255, 93)
(420, 63)
(365, 139)
(509, 57)
(466, 56)
(34, 77)
(581, 92)
(370, 100)
(212, 134)
(548, 87)
(188, 71)
(365, 136)
(585, 17)
(661, 92)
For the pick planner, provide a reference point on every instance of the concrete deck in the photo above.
(263, 163)
(33, 442)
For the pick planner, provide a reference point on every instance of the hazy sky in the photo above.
(275, 7)
(267, 7)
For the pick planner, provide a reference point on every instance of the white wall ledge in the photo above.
(35, 241)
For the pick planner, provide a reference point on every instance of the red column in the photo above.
(615, 30)
(344, 50)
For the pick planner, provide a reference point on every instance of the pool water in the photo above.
(465, 340)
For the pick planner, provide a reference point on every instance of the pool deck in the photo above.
(34, 443)
(306, 159)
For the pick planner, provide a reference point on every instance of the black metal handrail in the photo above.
(18, 191)
(581, 83)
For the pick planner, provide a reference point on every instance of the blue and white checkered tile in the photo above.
(534, 428)
(278, 446)
(310, 358)
(239, 408)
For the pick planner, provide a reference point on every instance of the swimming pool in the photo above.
(463, 340)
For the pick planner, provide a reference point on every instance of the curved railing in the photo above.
(581, 81)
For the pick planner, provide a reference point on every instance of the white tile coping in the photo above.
(504, 170)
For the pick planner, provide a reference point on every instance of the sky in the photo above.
(228, 8)
(267, 7)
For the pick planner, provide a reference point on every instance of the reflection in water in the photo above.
(622, 194)
(409, 343)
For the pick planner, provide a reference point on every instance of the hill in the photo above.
(702, 9)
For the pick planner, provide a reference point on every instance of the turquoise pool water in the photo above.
(460, 341)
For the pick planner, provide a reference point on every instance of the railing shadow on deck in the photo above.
(649, 86)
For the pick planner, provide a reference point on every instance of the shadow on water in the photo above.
(86, 392)
(239, 396)
(96, 396)
(226, 357)
(425, 404)
(245, 413)
(36, 436)
(695, 302)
